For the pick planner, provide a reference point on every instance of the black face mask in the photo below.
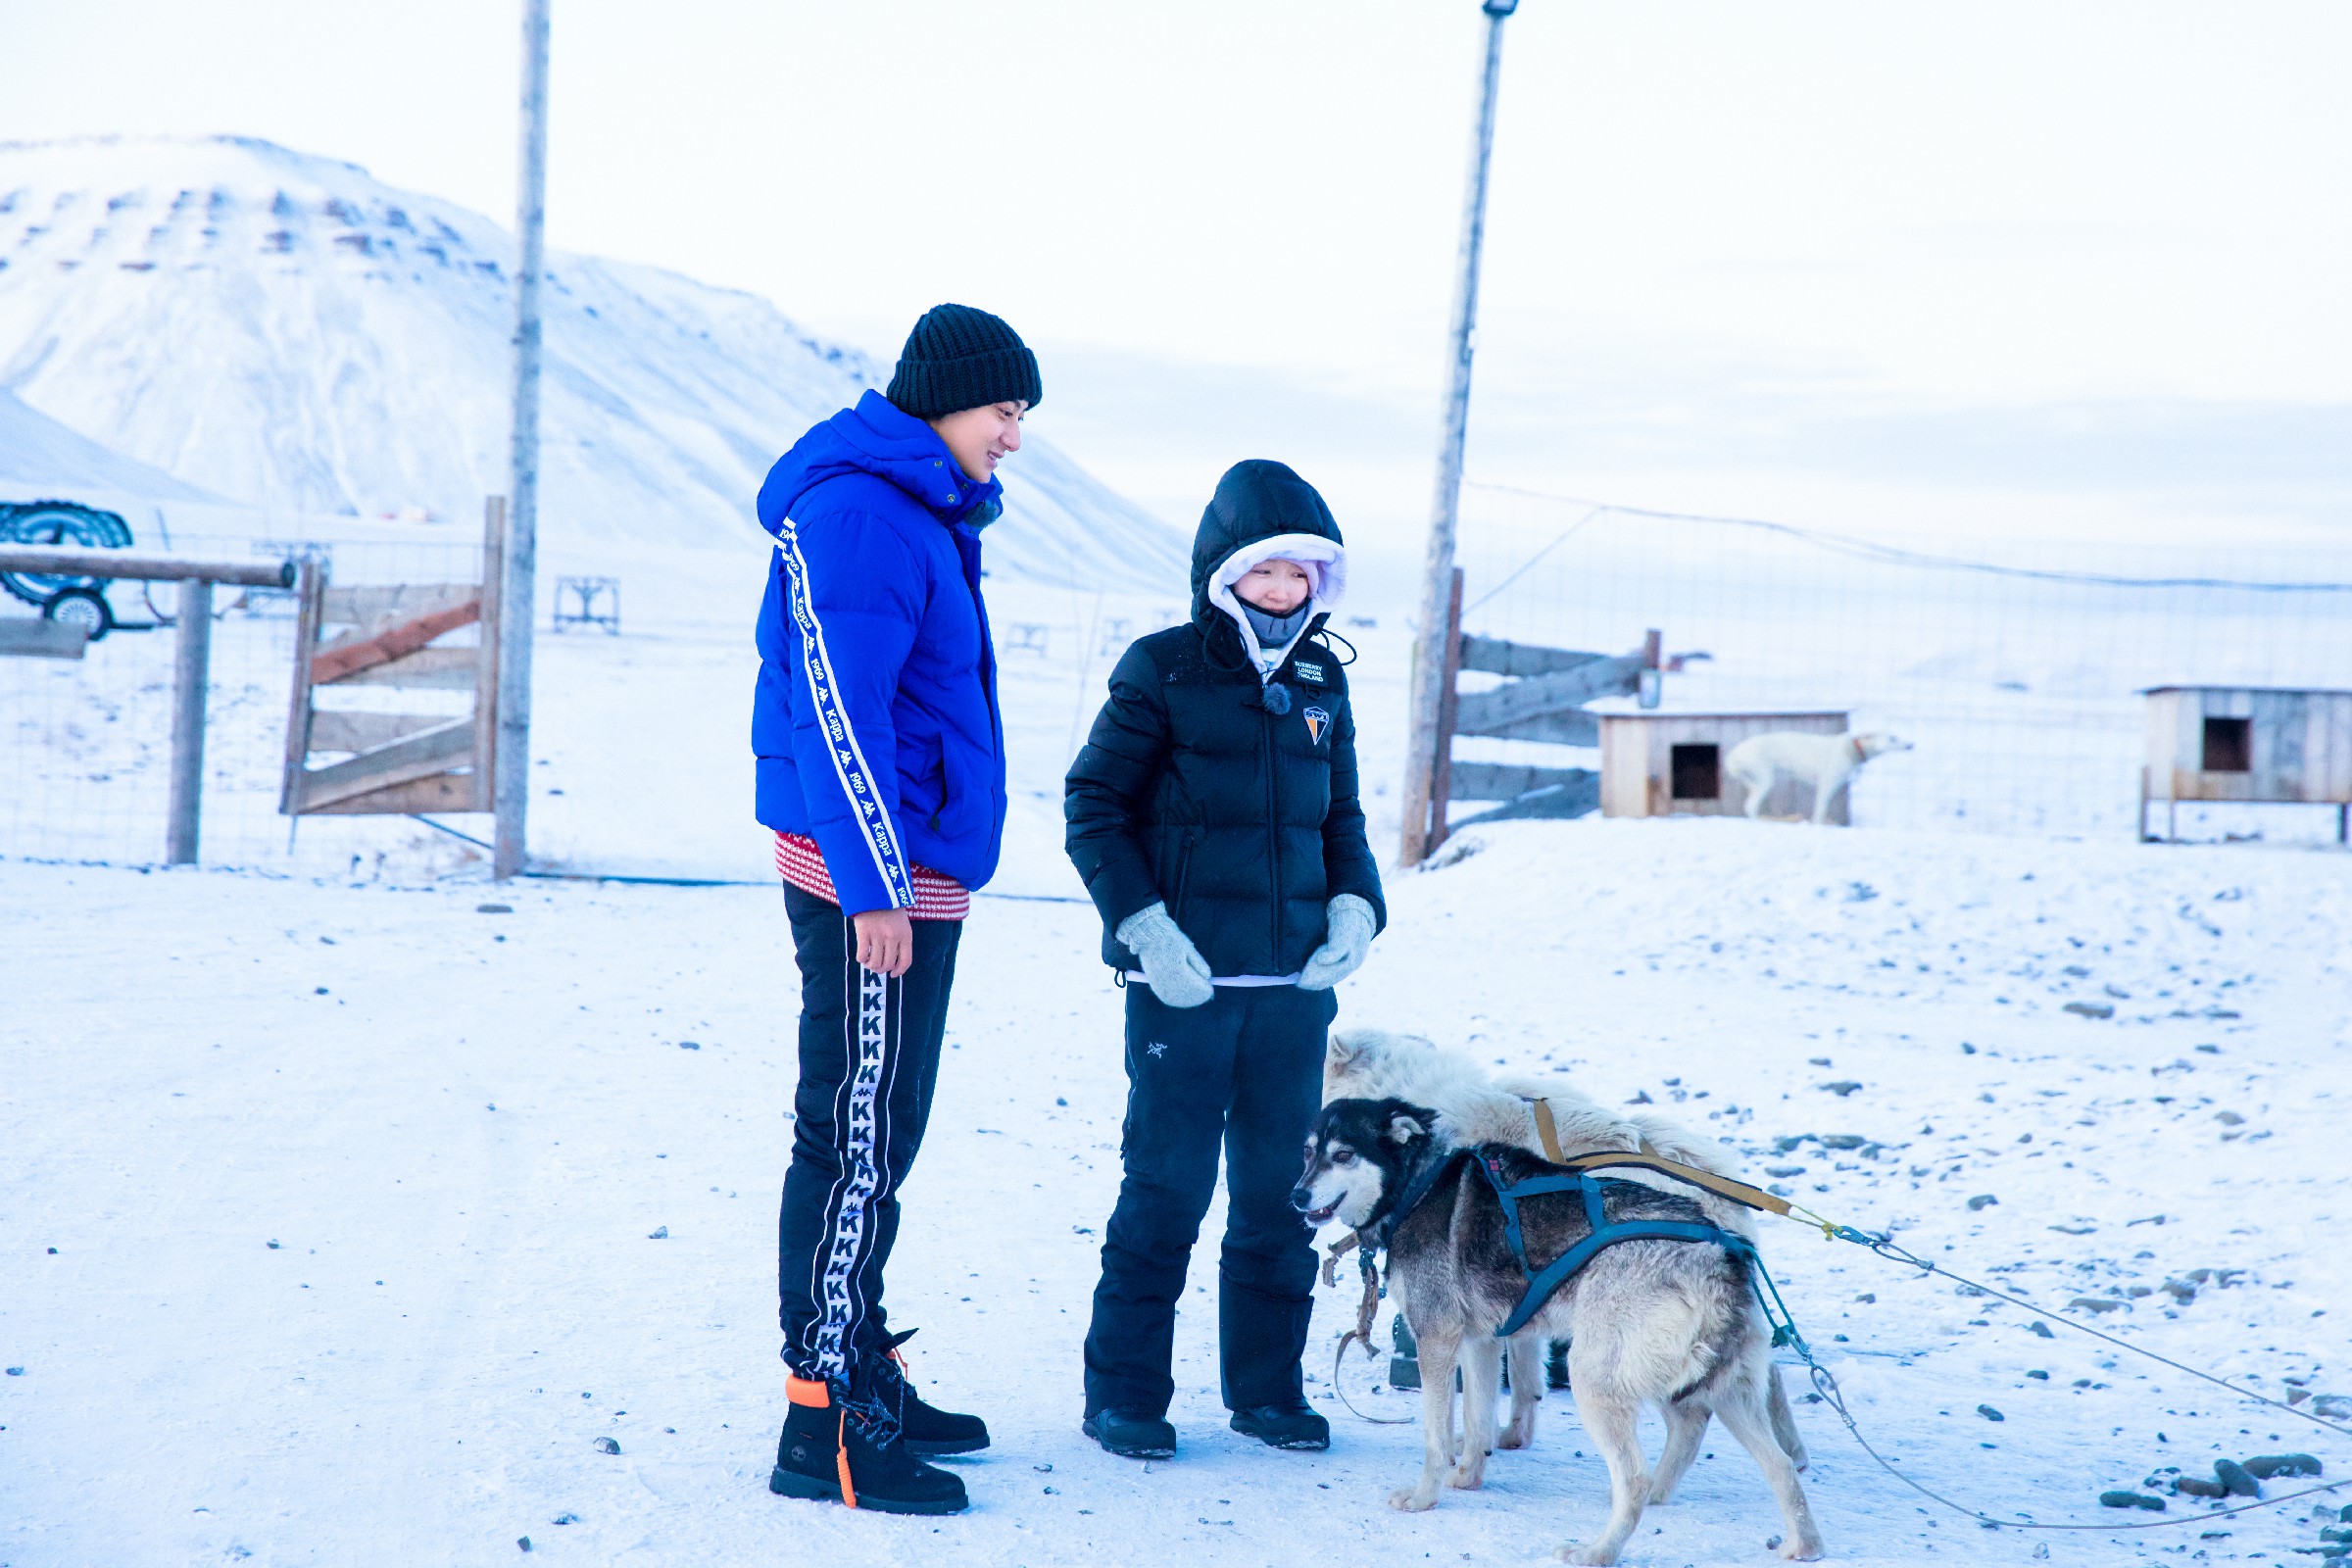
(1274, 631)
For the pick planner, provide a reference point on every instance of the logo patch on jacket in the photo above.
(1307, 671)
(1317, 721)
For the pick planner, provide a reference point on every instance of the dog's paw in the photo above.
(1412, 1499)
(1803, 1551)
(1512, 1438)
(1587, 1555)
(1466, 1477)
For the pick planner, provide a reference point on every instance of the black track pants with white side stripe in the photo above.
(870, 1060)
(1242, 1073)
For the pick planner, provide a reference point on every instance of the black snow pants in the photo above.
(1244, 1070)
(870, 1060)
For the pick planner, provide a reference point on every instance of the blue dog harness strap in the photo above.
(1544, 1284)
(1541, 1287)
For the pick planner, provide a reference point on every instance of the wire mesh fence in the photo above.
(641, 763)
(85, 744)
(2016, 671)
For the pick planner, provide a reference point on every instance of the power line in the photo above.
(1884, 554)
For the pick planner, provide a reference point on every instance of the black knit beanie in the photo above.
(959, 358)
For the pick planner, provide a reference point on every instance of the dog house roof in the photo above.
(2282, 691)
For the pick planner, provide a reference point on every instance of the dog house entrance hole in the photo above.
(2228, 746)
(1697, 772)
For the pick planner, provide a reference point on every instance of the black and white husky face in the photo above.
(1356, 1157)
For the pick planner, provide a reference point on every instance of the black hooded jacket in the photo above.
(1232, 803)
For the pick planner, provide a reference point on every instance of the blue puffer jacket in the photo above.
(875, 721)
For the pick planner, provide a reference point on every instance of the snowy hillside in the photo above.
(36, 453)
(288, 333)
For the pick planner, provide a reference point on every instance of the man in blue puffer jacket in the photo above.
(881, 760)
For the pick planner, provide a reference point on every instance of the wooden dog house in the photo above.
(2247, 743)
(1671, 765)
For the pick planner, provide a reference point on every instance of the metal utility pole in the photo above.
(518, 596)
(1430, 663)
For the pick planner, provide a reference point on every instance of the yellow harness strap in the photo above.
(1338, 1250)
(1549, 1131)
(1722, 1186)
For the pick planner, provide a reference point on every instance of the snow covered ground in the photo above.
(342, 1221)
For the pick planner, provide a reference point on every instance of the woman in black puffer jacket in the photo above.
(1213, 814)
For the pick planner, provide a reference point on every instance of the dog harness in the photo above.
(1542, 1284)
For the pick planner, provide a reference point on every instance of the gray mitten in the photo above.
(1172, 966)
(1347, 937)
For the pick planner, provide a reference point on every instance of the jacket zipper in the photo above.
(1273, 835)
(1184, 873)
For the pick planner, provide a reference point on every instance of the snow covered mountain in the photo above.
(286, 332)
(38, 453)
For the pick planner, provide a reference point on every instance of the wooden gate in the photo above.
(1543, 699)
(393, 637)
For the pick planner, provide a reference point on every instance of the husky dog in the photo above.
(1826, 762)
(1672, 1323)
(1374, 1063)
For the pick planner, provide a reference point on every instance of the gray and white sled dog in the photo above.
(1472, 1110)
(1826, 762)
(1651, 1321)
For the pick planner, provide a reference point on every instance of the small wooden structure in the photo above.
(24, 637)
(192, 655)
(1671, 765)
(396, 762)
(2247, 743)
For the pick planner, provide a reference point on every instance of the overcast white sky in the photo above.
(1848, 261)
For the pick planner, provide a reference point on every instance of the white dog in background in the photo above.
(1826, 762)
(1374, 1064)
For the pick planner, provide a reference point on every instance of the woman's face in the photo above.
(978, 437)
(1276, 586)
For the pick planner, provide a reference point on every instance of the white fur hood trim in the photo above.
(1330, 560)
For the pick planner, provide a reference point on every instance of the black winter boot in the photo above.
(850, 1448)
(1131, 1433)
(924, 1428)
(1283, 1426)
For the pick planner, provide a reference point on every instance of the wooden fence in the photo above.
(391, 761)
(193, 652)
(1545, 699)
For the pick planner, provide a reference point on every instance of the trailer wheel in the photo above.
(85, 607)
(57, 522)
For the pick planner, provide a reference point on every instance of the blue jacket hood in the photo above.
(876, 437)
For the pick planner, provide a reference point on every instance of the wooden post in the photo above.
(1440, 775)
(310, 585)
(1431, 655)
(192, 676)
(486, 684)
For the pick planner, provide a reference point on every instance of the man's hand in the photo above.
(885, 940)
